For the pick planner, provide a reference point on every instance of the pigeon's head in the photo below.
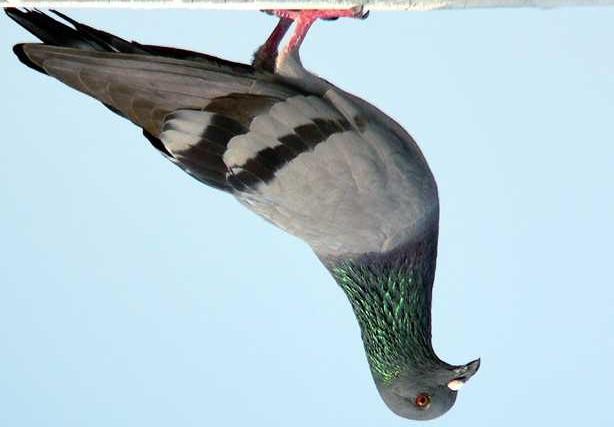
(424, 394)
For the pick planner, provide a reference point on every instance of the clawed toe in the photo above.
(357, 12)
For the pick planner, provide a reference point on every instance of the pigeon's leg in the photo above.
(265, 56)
(305, 18)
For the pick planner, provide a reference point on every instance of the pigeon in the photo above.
(318, 162)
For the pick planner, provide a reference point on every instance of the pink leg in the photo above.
(305, 18)
(266, 54)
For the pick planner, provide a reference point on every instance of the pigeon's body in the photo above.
(351, 186)
(312, 159)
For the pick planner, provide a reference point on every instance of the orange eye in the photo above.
(423, 400)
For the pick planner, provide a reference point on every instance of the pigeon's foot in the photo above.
(305, 18)
(313, 14)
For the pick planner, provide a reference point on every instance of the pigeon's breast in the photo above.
(334, 174)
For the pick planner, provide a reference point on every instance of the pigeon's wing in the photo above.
(177, 97)
(160, 89)
(144, 88)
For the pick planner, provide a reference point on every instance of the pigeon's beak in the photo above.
(463, 374)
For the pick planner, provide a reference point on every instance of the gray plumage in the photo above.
(310, 158)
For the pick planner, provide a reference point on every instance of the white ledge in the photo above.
(402, 5)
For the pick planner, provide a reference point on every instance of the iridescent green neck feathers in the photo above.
(391, 297)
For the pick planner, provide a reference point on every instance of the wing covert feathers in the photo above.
(141, 87)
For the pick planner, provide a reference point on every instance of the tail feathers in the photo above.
(84, 37)
(105, 41)
(50, 31)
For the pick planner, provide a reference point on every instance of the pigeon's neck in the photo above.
(391, 297)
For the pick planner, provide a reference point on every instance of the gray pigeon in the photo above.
(316, 161)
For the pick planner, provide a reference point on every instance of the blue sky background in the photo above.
(131, 295)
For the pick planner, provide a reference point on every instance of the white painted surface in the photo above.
(409, 5)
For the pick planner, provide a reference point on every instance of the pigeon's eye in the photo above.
(423, 400)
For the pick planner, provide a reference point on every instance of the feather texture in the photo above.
(316, 161)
